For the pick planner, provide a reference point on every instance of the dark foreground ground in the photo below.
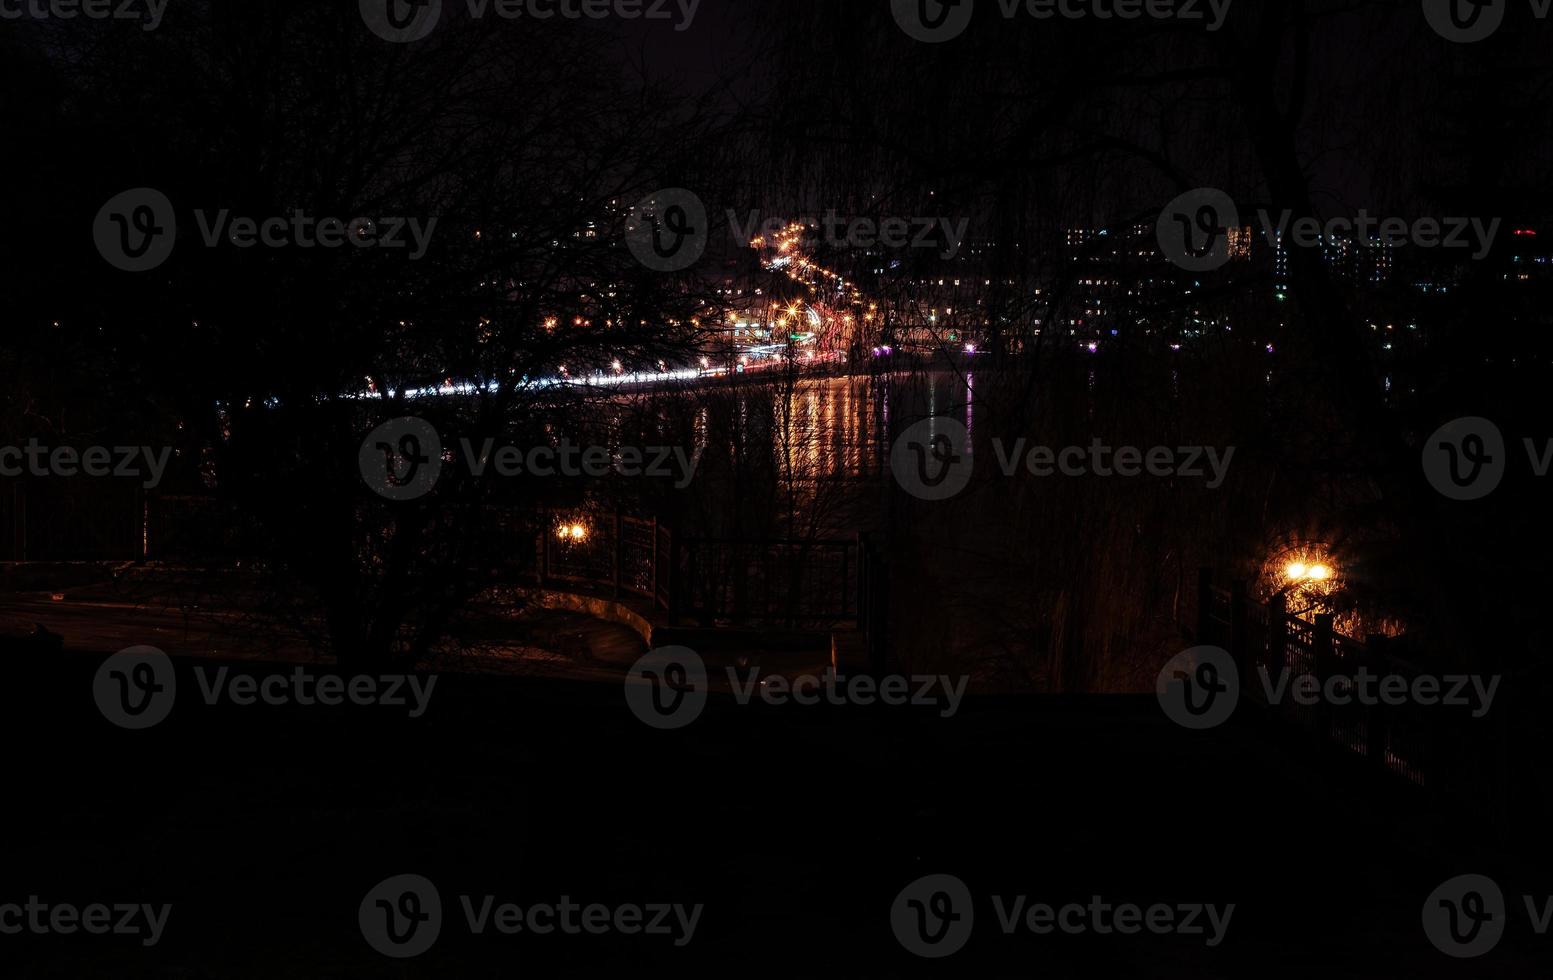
(265, 827)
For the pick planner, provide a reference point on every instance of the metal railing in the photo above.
(797, 584)
(1438, 746)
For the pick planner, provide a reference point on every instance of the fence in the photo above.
(797, 584)
(786, 583)
(624, 554)
(1439, 746)
(71, 519)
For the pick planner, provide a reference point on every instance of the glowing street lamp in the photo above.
(1299, 572)
(1309, 578)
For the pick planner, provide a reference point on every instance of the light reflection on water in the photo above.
(840, 427)
(818, 428)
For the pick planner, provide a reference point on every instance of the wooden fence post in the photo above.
(878, 600)
(542, 542)
(687, 582)
(1239, 642)
(1325, 655)
(1277, 633)
(1375, 719)
(617, 554)
(1504, 743)
(19, 522)
(1204, 605)
(673, 572)
(846, 578)
(864, 585)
